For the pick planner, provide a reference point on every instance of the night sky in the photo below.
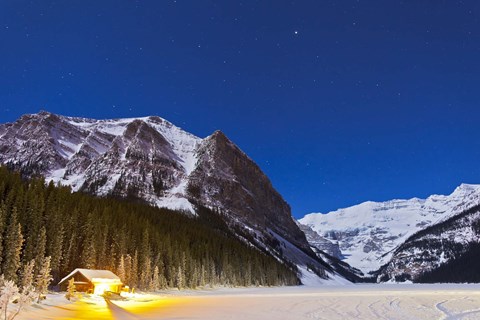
(339, 102)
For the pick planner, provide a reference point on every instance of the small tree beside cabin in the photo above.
(70, 289)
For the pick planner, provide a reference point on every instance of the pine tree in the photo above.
(144, 261)
(180, 278)
(162, 284)
(101, 246)
(89, 253)
(34, 243)
(3, 214)
(54, 246)
(13, 248)
(28, 275)
(128, 270)
(43, 278)
(134, 270)
(146, 274)
(70, 289)
(111, 259)
(155, 283)
(121, 269)
(70, 254)
(248, 275)
(40, 248)
(202, 276)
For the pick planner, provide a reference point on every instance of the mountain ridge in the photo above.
(150, 159)
(368, 233)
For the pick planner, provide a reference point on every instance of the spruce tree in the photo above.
(155, 284)
(34, 243)
(70, 289)
(54, 246)
(180, 278)
(13, 248)
(89, 252)
(128, 271)
(101, 246)
(43, 278)
(146, 274)
(202, 276)
(40, 248)
(3, 214)
(134, 270)
(89, 245)
(70, 255)
(28, 275)
(121, 269)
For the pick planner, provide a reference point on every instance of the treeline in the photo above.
(465, 268)
(149, 248)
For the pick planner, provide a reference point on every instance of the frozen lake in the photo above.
(395, 301)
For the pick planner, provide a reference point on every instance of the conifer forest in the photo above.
(147, 247)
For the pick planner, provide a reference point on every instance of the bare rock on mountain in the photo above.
(149, 159)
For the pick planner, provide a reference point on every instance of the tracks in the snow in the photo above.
(119, 313)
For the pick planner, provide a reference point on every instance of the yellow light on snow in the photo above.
(102, 285)
(100, 288)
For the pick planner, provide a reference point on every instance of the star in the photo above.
(295, 32)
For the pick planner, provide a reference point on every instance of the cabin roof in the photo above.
(91, 274)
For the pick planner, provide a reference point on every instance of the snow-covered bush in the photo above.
(10, 293)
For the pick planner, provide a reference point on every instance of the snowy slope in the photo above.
(77, 151)
(183, 145)
(369, 232)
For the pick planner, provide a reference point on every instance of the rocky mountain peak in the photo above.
(466, 188)
(241, 184)
(150, 159)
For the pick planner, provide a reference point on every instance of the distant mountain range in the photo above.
(149, 159)
(400, 240)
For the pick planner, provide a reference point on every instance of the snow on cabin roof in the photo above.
(91, 274)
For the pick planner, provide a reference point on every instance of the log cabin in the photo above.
(92, 281)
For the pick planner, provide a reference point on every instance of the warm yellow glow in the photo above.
(100, 288)
(102, 285)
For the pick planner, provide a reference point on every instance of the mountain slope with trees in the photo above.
(150, 160)
(444, 252)
(150, 248)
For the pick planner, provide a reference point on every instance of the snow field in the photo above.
(327, 302)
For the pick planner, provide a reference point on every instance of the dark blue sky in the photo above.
(339, 102)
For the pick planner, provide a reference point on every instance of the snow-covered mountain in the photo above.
(103, 156)
(436, 247)
(369, 233)
(150, 159)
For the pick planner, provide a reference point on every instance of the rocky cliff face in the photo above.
(320, 243)
(135, 158)
(226, 177)
(150, 159)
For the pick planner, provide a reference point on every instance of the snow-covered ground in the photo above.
(387, 301)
